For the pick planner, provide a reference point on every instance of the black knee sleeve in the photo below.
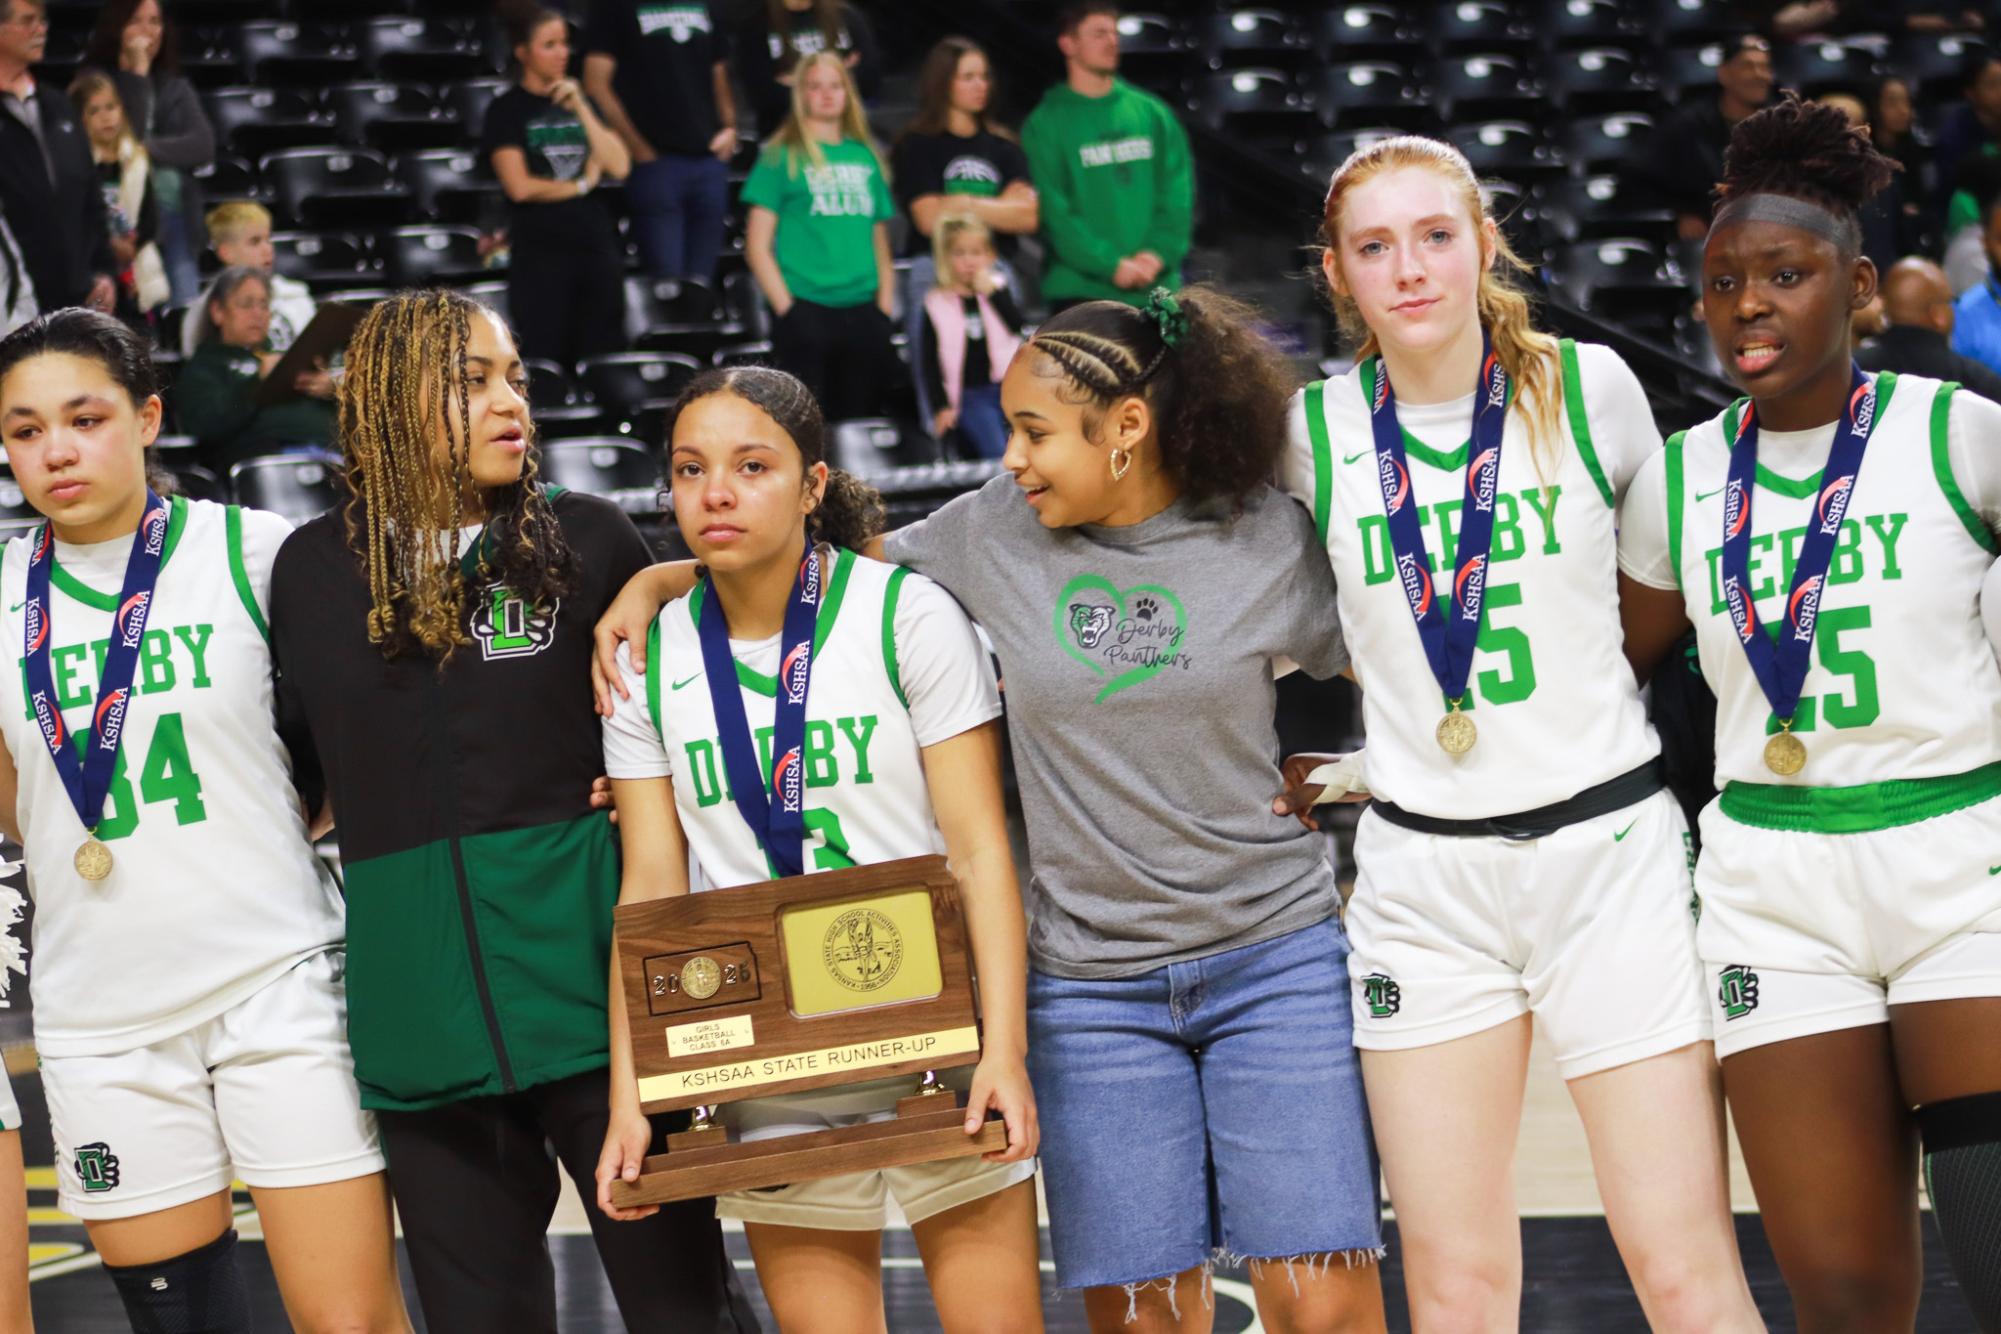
(1962, 1143)
(201, 1292)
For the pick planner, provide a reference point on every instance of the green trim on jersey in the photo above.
(1323, 456)
(1860, 809)
(1976, 527)
(653, 676)
(177, 522)
(1802, 488)
(889, 634)
(469, 558)
(1445, 460)
(1675, 500)
(1580, 420)
(232, 522)
(830, 607)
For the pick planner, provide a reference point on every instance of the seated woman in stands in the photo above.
(215, 395)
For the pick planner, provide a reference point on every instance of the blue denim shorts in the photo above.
(1205, 1110)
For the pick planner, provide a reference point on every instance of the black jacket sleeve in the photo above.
(929, 367)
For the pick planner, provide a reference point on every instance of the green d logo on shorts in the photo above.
(96, 1167)
(1737, 991)
(1383, 996)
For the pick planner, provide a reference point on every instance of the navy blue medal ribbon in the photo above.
(780, 823)
(1447, 626)
(87, 779)
(1780, 664)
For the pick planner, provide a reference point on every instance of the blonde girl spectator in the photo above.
(971, 329)
(131, 211)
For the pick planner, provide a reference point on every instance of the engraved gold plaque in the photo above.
(860, 953)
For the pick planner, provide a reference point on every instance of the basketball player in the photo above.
(1828, 536)
(887, 706)
(1521, 857)
(189, 1008)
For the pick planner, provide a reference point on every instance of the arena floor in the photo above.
(1574, 1281)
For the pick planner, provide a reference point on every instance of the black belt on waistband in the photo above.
(1611, 795)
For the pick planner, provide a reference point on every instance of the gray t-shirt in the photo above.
(1137, 664)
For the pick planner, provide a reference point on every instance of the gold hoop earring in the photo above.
(1122, 462)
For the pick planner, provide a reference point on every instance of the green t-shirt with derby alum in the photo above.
(827, 212)
(1138, 665)
(1115, 178)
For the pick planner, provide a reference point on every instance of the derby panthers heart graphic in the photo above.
(1094, 619)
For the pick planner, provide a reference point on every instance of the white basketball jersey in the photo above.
(1901, 682)
(866, 799)
(1550, 691)
(214, 888)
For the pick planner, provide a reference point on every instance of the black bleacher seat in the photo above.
(251, 122)
(1605, 206)
(1688, 22)
(570, 421)
(393, 117)
(1247, 35)
(754, 353)
(549, 384)
(470, 98)
(1485, 85)
(1563, 23)
(448, 184)
(1326, 153)
(1689, 71)
(1598, 78)
(324, 259)
(278, 54)
(14, 505)
(744, 304)
(333, 187)
(218, 12)
(1471, 26)
(602, 466)
(1623, 279)
(357, 296)
(1254, 102)
(229, 177)
(868, 446)
(1606, 143)
(1935, 63)
(430, 50)
(198, 483)
(1370, 31)
(298, 486)
(1512, 150)
(492, 295)
(1370, 92)
(1154, 49)
(1817, 67)
(208, 55)
(625, 382)
(422, 256)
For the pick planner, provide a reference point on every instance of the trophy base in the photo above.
(927, 1128)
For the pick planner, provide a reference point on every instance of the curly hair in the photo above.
(1807, 150)
(1219, 396)
(850, 511)
(406, 431)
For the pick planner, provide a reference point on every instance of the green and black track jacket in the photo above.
(480, 884)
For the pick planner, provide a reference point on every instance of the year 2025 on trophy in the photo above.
(840, 977)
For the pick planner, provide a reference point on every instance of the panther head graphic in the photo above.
(1089, 623)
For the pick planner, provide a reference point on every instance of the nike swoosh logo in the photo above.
(683, 681)
(1620, 837)
(1701, 496)
(1352, 457)
(1994, 870)
(17, 606)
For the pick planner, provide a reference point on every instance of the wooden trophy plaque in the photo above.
(841, 977)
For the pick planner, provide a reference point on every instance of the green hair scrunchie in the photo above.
(1167, 315)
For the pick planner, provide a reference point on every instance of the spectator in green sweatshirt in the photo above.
(1111, 164)
(215, 395)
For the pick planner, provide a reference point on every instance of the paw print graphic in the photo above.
(1145, 608)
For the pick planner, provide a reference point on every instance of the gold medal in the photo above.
(701, 978)
(1785, 754)
(93, 860)
(1456, 733)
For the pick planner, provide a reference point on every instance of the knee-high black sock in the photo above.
(1962, 1144)
(201, 1292)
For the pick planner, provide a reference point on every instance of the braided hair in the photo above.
(1217, 388)
(1806, 150)
(850, 511)
(404, 395)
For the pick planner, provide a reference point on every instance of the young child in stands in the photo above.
(971, 330)
(125, 173)
(240, 233)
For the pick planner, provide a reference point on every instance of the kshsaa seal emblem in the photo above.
(862, 949)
